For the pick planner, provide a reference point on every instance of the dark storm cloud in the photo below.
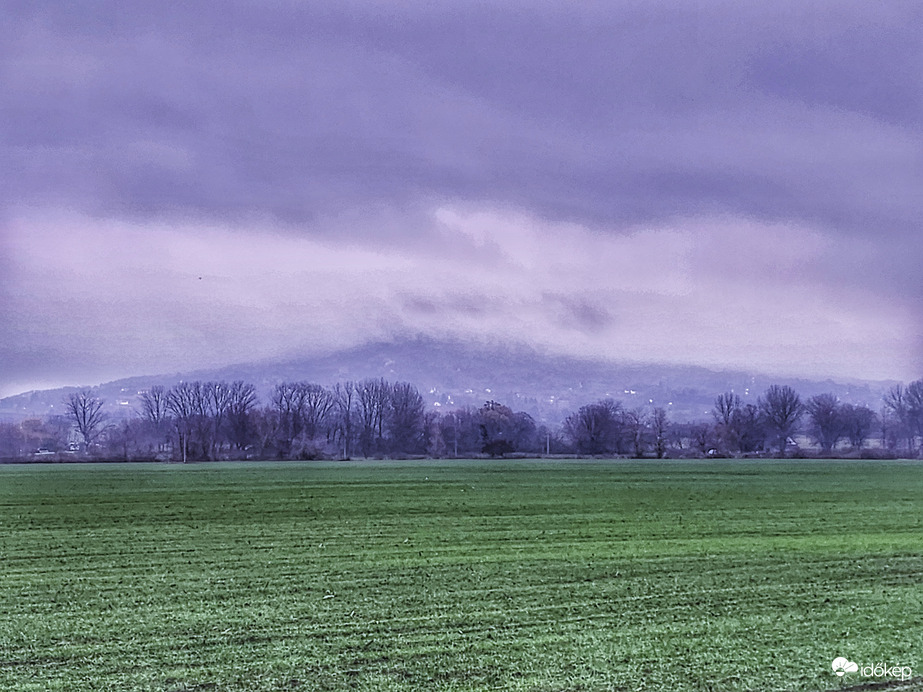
(644, 112)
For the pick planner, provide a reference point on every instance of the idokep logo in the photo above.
(842, 666)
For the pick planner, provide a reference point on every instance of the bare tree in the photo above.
(85, 410)
(634, 422)
(344, 397)
(913, 397)
(781, 409)
(595, 428)
(154, 405)
(726, 413)
(373, 399)
(826, 417)
(318, 404)
(857, 424)
(242, 402)
(899, 415)
(433, 440)
(749, 429)
(183, 402)
(702, 435)
(155, 412)
(726, 405)
(405, 419)
(201, 420)
(660, 427)
(266, 430)
(288, 399)
(213, 403)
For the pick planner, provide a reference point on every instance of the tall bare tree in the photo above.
(857, 424)
(155, 413)
(825, 412)
(726, 405)
(433, 440)
(344, 398)
(899, 413)
(726, 413)
(85, 410)
(372, 403)
(183, 402)
(154, 405)
(216, 404)
(913, 396)
(242, 403)
(318, 404)
(405, 418)
(288, 400)
(781, 409)
(634, 424)
(750, 429)
(660, 427)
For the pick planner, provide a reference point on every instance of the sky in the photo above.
(728, 184)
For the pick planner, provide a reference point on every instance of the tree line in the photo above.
(207, 420)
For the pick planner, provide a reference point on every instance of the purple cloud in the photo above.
(358, 127)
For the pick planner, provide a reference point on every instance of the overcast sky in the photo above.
(720, 183)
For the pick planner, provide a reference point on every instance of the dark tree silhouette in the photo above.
(726, 413)
(781, 409)
(405, 419)
(243, 402)
(595, 428)
(913, 397)
(154, 405)
(826, 417)
(857, 424)
(344, 399)
(634, 422)
(86, 411)
(749, 429)
(898, 408)
(318, 404)
(373, 399)
(660, 426)
(182, 400)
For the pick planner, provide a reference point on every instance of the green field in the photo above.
(473, 575)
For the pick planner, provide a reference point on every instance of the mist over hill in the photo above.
(452, 374)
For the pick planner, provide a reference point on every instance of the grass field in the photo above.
(471, 575)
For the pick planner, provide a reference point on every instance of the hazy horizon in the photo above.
(725, 186)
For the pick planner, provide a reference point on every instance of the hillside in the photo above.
(452, 374)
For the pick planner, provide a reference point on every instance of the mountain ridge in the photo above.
(451, 374)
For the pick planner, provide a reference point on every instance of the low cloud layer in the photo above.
(713, 184)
